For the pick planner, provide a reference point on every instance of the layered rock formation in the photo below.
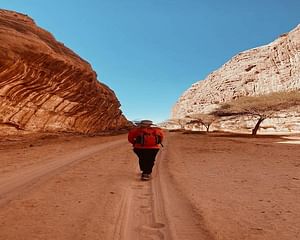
(44, 86)
(270, 68)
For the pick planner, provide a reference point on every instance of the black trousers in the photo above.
(146, 159)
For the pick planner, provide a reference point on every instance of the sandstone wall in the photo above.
(270, 68)
(44, 86)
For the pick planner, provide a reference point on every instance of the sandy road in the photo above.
(11, 183)
(204, 187)
(155, 210)
(142, 213)
(72, 194)
(94, 192)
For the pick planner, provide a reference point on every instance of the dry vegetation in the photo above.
(264, 106)
(259, 107)
(202, 119)
(181, 122)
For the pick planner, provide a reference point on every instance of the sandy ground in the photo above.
(215, 186)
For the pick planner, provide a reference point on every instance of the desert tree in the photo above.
(178, 121)
(205, 120)
(261, 107)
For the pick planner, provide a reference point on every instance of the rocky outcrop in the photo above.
(270, 68)
(44, 86)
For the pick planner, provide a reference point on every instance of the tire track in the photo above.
(20, 178)
(156, 210)
(141, 211)
(184, 222)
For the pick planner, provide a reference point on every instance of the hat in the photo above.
(146, 122)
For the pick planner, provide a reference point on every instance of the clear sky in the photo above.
(150, 51)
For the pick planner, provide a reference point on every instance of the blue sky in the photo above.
(150, 51)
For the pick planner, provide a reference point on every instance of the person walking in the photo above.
(146, 141)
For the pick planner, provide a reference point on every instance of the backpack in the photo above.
(148, 138)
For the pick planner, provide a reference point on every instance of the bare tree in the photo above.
(178, 121)
(203, 119)
(264, 106)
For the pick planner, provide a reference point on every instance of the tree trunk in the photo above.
(255, 129)
(207, 128)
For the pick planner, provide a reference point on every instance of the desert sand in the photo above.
(204, 186)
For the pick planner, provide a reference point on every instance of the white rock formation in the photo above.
(270, 68)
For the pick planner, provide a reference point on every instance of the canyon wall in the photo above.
(44, 86)
(271, 68)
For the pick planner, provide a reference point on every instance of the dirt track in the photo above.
(203, 187)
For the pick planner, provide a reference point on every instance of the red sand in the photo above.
(215, 186)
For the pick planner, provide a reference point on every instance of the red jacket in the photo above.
(136, 134)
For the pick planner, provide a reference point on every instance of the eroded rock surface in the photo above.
(44, 86)
(270, 68)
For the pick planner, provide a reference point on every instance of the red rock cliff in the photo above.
(44, 86)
